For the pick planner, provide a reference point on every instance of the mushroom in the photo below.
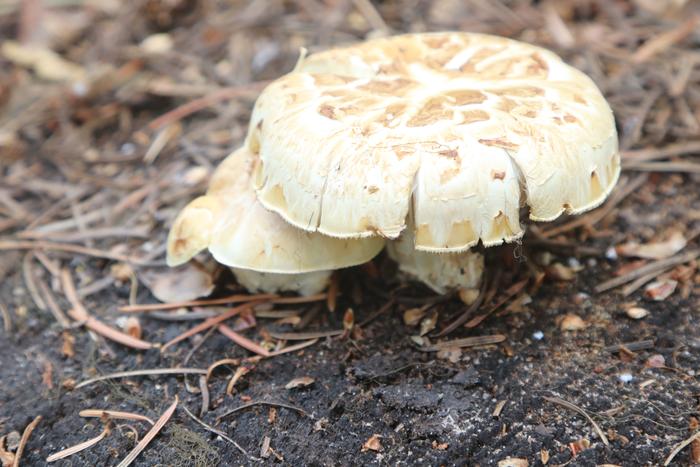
(265, 252)
(435, 141)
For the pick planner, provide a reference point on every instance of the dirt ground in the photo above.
(112, 117)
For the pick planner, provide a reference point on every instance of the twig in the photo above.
(662, 41)
(671, 166)
(191, 303)
(634, 346)
(99, 413)
(652, 154)
(77, 249)
(679, 447)
(270, 403)
(204, 390)
(52, 305)
(656, 266)
(23, 441)
(78, 447)
(464, 342)
(6, 318)
(512, 291)
(80, 314)
(302, 336)
(293, 348)
(462, 318)
(243, 341)
(201, 103)
(153, 372)
(218, 432)
(579, 410)
(206, 325)
(150, 435)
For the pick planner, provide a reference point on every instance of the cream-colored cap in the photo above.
(239, 232)
(463, 129)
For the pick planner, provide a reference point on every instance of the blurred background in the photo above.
(113, 115)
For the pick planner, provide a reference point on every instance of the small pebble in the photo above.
(637, 312)
(626, 377)
(538, 335)
(611, 253)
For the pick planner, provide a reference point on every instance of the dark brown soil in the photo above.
(376, 397)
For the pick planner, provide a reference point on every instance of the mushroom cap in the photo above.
(462, 129)
(239, 232)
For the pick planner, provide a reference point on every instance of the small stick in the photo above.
(218, 432)
(53, 306)
(25, 438)
(579, 410)
(201, 103)
(6, 319)
(204, 390)
(206, 325)
(99, 413)
(652, 154)
(218, 363)
(191, 303)
(679, 447)
(464, 342)
(77, 249)
(656, 266)
(633, 346)
(270, 403)
(78, 447)
(243, 341)
(80, 314)
(150, 435)
(302, 336)
(153, 372)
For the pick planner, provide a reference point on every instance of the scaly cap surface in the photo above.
(462, 128)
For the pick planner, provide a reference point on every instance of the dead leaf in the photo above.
(544, 456)
(300, 382)
(654, 250)
(636, 312)
(660, 290)
(180, 284)
(372, 444)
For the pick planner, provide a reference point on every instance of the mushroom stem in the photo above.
(441, 272)
(307, 283)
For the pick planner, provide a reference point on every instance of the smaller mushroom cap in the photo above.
(239, 232)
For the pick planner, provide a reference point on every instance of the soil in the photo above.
(372, 396)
